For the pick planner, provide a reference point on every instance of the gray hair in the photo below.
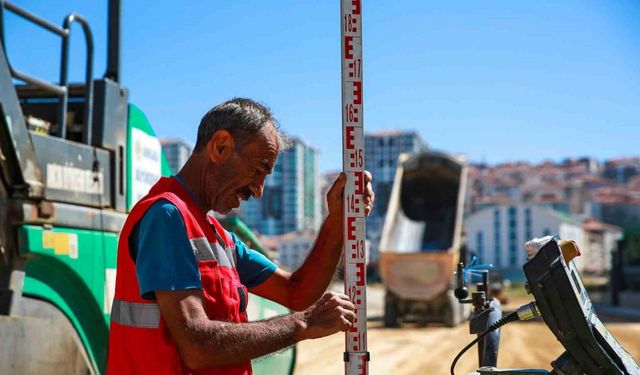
(242, 118)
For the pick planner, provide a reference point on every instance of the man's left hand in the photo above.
(369, 195)
(335, 195)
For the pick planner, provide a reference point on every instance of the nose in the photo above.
(257, 190)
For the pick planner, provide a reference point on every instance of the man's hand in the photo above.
(332, 313)
(300, 289)
(335, 195)
(204, 343)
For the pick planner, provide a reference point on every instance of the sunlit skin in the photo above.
(225, 173)
(220, 176)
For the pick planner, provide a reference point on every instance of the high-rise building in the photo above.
(291, 199)
(381, 159)
(326, 182)
(177, 152)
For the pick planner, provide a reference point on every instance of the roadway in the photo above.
(430, 349)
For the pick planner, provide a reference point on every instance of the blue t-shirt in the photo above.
(165, 261)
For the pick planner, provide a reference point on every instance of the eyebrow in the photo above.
(266, 165)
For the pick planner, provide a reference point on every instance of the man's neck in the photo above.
(193, 181)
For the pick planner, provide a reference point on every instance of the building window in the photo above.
(513, 236)
(479, 246)
(527, 223)
(513, 255)
(497, 237)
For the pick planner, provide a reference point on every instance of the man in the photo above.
(181, 287)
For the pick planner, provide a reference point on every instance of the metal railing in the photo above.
(61, 90)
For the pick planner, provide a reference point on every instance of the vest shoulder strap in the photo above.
(226, 237)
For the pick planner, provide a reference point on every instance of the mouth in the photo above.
(244, 194)
(239, 198)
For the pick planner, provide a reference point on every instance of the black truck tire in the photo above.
(390, 318)
(452, 311)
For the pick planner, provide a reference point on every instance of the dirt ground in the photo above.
(429, 350)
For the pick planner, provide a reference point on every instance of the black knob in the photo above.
(461, 292)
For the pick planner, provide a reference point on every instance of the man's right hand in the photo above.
(332, 313)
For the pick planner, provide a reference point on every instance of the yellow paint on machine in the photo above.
(61, 243)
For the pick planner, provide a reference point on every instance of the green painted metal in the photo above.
(66, 267)
(69, 268)
(237, 226)
(138, 120)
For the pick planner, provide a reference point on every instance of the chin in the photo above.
(223, 210)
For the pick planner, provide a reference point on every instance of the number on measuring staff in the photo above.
(354, 293)
(350, 23)
(351, 113)
(357, 158)
(355, 67)
(353, 203)
(358, 250)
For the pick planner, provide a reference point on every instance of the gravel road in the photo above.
(429, 350)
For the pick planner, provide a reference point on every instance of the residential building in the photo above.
(177, 152)
(581, 165)
(291, 199)
(602, 241)
(564, 186)
(619, 205)
(581, 188)
(293, 248)
(381, 159)
(622, 170)
(497, 234)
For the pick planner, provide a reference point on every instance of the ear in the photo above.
(220, 146)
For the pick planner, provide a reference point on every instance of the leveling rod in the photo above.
(356, 356)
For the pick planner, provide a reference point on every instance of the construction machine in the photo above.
(422, 239)
(561, 300)
(74, 159)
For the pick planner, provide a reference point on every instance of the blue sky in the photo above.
(498, 81)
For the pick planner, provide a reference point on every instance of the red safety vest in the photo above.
(140, 342)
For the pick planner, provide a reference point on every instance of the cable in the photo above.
(524, 312)
(502, 321)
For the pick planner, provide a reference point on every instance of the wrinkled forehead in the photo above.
(263, 147)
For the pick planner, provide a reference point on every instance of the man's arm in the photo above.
(205, 343)
(298, 290)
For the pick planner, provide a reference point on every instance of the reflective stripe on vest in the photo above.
(133, 314)
(204, 250)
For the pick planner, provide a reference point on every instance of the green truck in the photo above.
(74, 158)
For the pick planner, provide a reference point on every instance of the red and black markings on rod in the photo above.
(356, 355)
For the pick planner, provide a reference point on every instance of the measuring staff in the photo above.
(356, 356)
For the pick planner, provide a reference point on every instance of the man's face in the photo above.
(241, 173)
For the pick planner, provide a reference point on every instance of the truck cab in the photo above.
(74, 159)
